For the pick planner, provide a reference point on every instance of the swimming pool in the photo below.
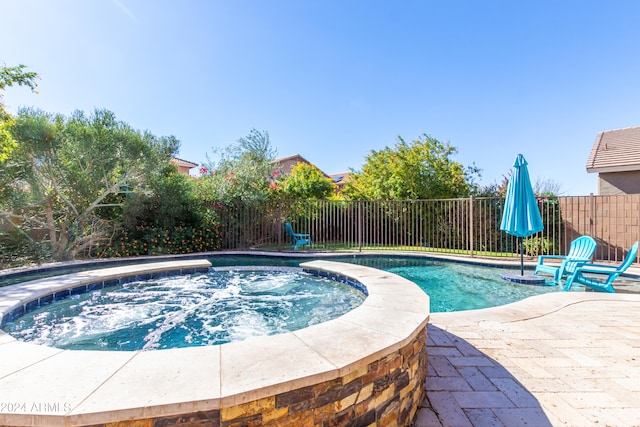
(221, 306)
(451, 285)
(458, 286)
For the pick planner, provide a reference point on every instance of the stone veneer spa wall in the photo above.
(385, 392)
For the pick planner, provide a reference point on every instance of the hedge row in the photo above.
(155, 241)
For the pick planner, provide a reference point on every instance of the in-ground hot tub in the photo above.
(367, 367)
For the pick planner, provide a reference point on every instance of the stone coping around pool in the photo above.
(54, 387)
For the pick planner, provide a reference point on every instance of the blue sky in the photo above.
(332, 80)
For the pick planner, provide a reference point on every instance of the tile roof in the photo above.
(616, 151)
(340, 178)
(296, 157)
(184, 163)
(294, 160)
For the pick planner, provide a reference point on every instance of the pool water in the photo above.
(181, 311)
(451, 286)
(457, 286)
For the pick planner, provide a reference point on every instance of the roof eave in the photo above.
(623, 168)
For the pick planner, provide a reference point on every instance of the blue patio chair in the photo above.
(607, 273)
(580, 252)
(297, 239)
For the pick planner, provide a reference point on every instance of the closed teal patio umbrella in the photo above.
(521, 216)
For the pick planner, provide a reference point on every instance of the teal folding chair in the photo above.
(297, 239)
(580, 252)
(600, 277)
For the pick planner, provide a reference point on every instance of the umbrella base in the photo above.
(527, 279)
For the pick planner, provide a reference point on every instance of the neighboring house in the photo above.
(615, 156)
(340, 179)
(284, 165)
(183, 165)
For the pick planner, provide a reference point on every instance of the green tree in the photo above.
(306, 182)
(422, 169)
(242, 173)
(17, 75)
(10, 76)
(68, 178)
(170, 201)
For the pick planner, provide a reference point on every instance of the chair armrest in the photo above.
(301, 235)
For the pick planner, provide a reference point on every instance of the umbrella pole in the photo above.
(521, 258)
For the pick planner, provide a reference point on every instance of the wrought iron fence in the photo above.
(464, 226)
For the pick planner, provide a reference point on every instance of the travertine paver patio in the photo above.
(562, 359)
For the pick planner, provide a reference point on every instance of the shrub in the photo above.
(18, 250)
(157, 241)
(534, 246)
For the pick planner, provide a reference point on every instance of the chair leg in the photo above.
(569, 282)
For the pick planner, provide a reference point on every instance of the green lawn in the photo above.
(335, 247)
